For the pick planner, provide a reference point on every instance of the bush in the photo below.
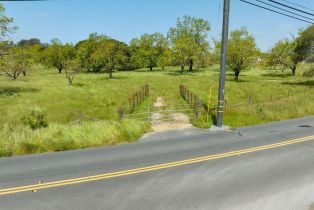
(35, 120)
(309, 72)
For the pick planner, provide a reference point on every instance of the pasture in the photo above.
(86, 113)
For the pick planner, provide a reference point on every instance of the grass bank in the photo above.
(19, 140)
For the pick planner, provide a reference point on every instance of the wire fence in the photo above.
(134, 100)
(253, 101)
(138, 97)
(192, 99)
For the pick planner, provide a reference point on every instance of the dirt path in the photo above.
(164, 120)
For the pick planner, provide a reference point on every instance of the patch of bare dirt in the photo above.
(159, 103)
(311, 207)
(163, 121)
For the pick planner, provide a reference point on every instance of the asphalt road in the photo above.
(261, 167)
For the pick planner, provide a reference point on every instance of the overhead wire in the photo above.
(285, 10)
(293, 8)
(298, 5)
(281, 13)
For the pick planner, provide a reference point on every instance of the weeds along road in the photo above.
(261, 167)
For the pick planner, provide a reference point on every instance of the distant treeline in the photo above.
(185, 45)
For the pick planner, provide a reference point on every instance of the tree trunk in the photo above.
(110, 73)
(293, 70)
(191, 65)
(163, 68)
(60, 69)
(24, 73)
(236, 74)
(151, 68)
(182, 69)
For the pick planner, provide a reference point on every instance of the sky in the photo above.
(73, 20)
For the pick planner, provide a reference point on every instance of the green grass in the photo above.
(275, 96)
(17, 140)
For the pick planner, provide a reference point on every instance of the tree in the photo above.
(29, 42)
(14, 64)
(283, 55)
(5, 30)
(72, 68)
(144, 51)
(163, 50)
(5, 24)
(85, 49)
(56, 54)
(288, 54)
(164, 59)
(195, 29)
(110, 54)
(184, 51)
(242, 51)
(304, 45)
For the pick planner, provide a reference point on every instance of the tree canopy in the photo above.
(196, 31)
(56, 54)
(283, 55)
(242, 51)
(110, 54)
(147, 49)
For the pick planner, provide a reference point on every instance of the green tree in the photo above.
(242, 51)
(85, 49)
(110, 54)
(6, 29)
(5, 24)
(56, 55)
(304, 45)
(29, 42)
(144, 51)
(195, 29)
(184, 51)
(15, 63)
(72, 68)
(283, 55)
(161, 44)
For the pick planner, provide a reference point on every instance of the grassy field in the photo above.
(274, 95)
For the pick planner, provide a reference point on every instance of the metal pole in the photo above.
(223, 63)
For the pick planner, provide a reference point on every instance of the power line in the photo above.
(284, 5)
(298, 5)
(285, 10)
(276, 12)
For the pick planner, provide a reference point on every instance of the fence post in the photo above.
(133, 100)
(147, 90)
(121, 113)
(199, 108)
(170, 115)
(250, 100)
(191, 98)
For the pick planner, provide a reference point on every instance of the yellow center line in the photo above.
(149, 168)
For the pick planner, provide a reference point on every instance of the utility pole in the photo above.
(223, 63)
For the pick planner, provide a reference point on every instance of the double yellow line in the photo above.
(60, 183)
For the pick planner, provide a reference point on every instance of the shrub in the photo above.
(35, 120)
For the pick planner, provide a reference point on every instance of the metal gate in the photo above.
(166, 114)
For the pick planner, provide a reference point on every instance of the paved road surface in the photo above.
(183, 169)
